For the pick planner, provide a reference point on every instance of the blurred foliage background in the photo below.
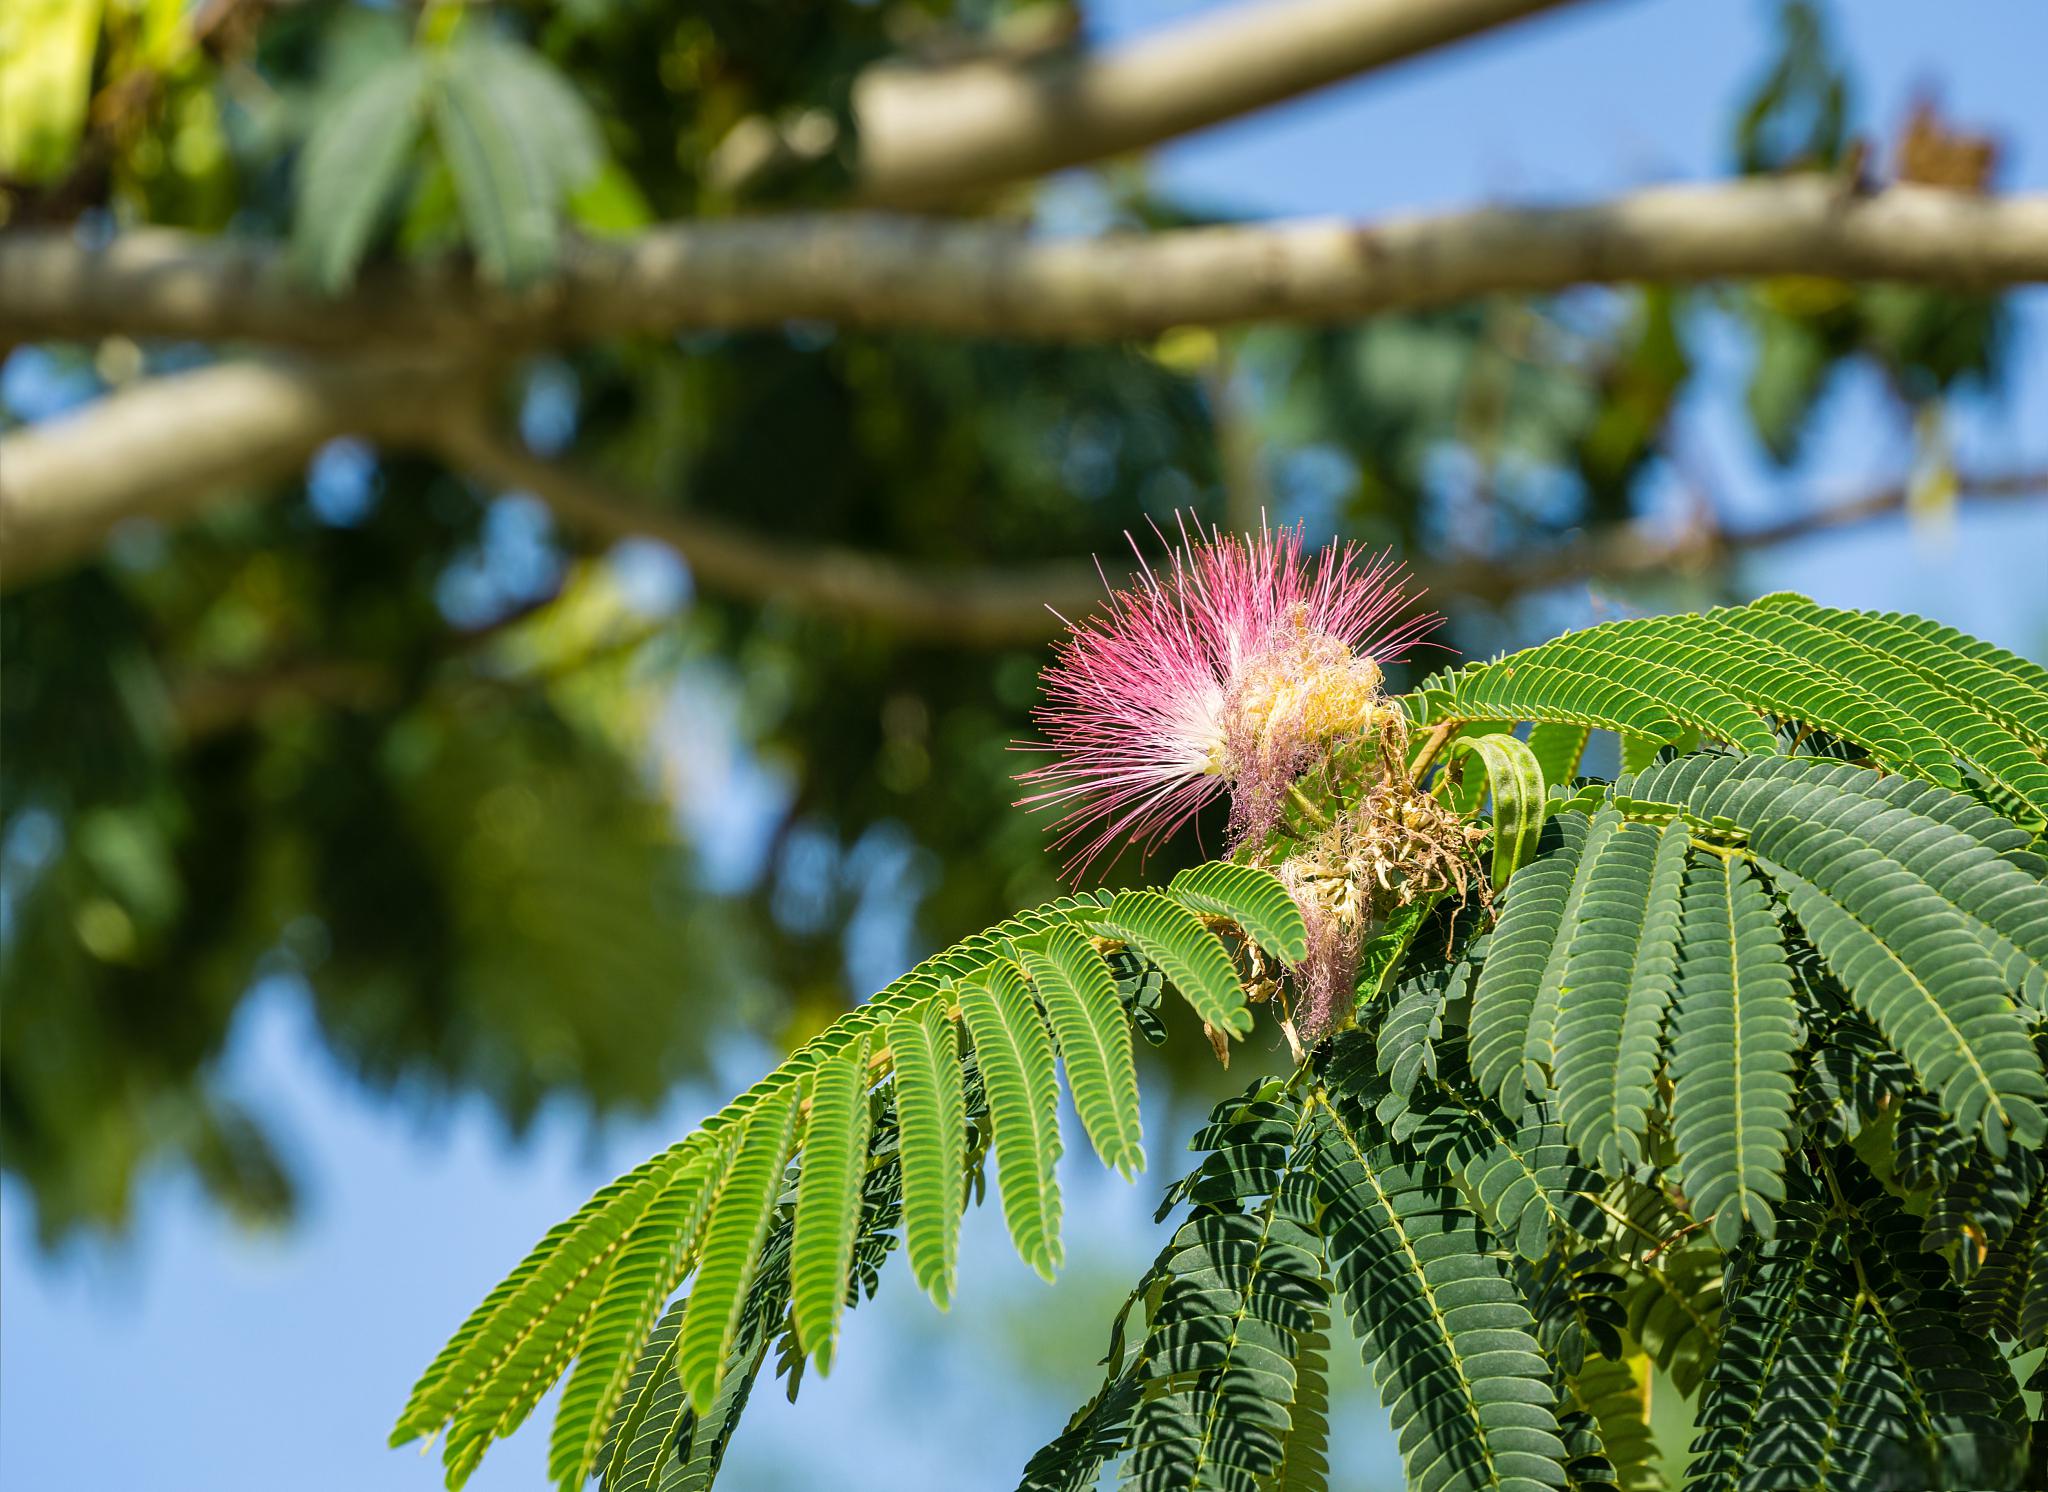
(390, 732)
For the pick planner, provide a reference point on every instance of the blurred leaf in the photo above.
(1792, 366)
(352, 166)
(518, 140)
(44, 87)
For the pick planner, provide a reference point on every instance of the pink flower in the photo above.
(1235, 671)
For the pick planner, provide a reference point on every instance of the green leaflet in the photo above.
(1607, 1392)
(1802, 688)
(1515, 1002)
(1516, 777)
(1957, 729)
(649, 1407)
(1529, 689)
(1734, 1037)
(1407, 1038)
(1240, 1283)
(649, 1267)
(828, 1199)
(1559, 747)
(535, 1292)
(1023, 1103)
(931, 1115)
(1843, 1366)
(1531, 919)
(1688, 681)
(516, 141)
(351, 167)
(1193, 957)
(1911, 692)
(1761, 1311)
(1941, 839)
(1979, 1210)
(1451, 1346)
(1253, 898)
(1913, 965)
(1524, 1178)
(1094, 1035)
(1305, 1454)
(1995, 1302)
(501, 1405)
(1984, 677)
(1617, 982)
(1637, 753)
(732, 1246)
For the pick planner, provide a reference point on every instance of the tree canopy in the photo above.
(372, 366)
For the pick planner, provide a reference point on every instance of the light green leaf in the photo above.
(1017, 1073)
(1080, 999)
(828, 1199)
(732, 1244)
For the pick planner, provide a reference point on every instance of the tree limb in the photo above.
(166, 447)
(966, 607)
(876, 270)
(931, 134)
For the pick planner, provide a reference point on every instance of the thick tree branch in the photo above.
(165, 447)
(967, 607)
(169, 446)
(930, 134)
(985, 279)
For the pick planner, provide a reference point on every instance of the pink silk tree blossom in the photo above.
(1235, 670)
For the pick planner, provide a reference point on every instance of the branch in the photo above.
(1636, 551)
(169, 446)
(928, 135)
(163, 449)
(963, 607)
(985, 279)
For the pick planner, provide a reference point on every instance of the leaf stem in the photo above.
(1431, 745)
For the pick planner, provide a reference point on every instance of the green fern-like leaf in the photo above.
(1240, 1284)
(932, 1115)
(1607, 1393)
(1016, 1059)
(1616, 986)
(732, 1244)
(1514, 1002)
(352, 166)
(1305, 1453)
(653, 1403)
(1540, 690)
(1080, 999)
(541, 1298)
(1451, 1345)
(1912, 962)
(517, 139)
(1844, 1369)
(1984, 677)
(828, 1199)
(1193, 957)
(1559, 747)
(1250, 896)
(650, 1266)
(1523, 1178)
(1734, 1037)
(1942, 839)
(1414, 1024)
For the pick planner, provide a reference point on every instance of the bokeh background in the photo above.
(320, 1003)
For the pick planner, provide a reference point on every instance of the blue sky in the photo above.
(206, 1360)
